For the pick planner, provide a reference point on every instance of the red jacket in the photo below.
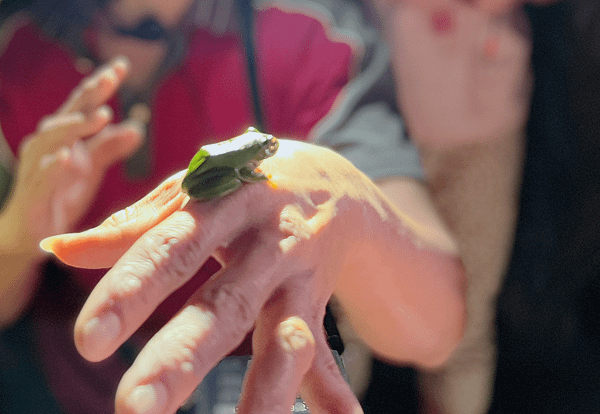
(207, 99)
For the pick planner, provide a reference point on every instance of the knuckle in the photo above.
(122, 217)
(133, 285)
(45, 123)
(183, 340)
(186, 255)
(26, 145)
(128, 283)
(293, 222)
(229, 299)
(183, 356)
(168, 266)
(85, 91)
(156, 250)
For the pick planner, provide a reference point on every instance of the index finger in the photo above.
(101, 246)
(98, 88)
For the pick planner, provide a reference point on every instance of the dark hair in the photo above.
(60, 19)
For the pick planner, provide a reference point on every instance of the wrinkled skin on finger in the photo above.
(285, 249)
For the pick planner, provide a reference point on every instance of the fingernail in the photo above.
(104, 112)
(149, 398)
(100, 332)
(121, 63)
(135, 126)
(442, 22)
(47, 243)
(140, 112)
(64, 153)
(109, 74)
(294, 334)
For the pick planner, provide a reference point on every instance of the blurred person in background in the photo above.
(86, 133)
(503, 102)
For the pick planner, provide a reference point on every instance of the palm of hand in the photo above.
(464, 82)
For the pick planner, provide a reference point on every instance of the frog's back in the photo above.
(235, 151)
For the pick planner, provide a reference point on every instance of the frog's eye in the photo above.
(273, 145)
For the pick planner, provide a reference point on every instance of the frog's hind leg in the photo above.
(215, 183)
(249, 174)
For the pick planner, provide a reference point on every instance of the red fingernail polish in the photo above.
(442, 22)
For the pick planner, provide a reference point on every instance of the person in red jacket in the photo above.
(501, 97)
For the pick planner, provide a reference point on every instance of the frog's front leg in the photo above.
(249, 174)
(215, 183)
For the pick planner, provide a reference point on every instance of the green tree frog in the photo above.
(220, 169)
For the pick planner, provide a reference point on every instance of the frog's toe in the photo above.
(250, 175)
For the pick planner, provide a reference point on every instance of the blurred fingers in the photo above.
(98, 88)
(114, 143)
(52, 170)
(62, 131)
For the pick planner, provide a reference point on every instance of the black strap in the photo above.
(247, 23)
(247, 26)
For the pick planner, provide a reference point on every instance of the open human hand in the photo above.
(61, 165)
(463, 74)
(284, 251)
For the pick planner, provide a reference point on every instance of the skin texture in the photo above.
(60, 167)
(323, 230)
(464, 81)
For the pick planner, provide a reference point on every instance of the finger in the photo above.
(155, 266)
(216, 319)
(101, 247)
(272, 382)
(64, 130)
(283, 349)
(96, 89)
(114, 143)
(158, 263)
(323, 388)
(53, 168)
